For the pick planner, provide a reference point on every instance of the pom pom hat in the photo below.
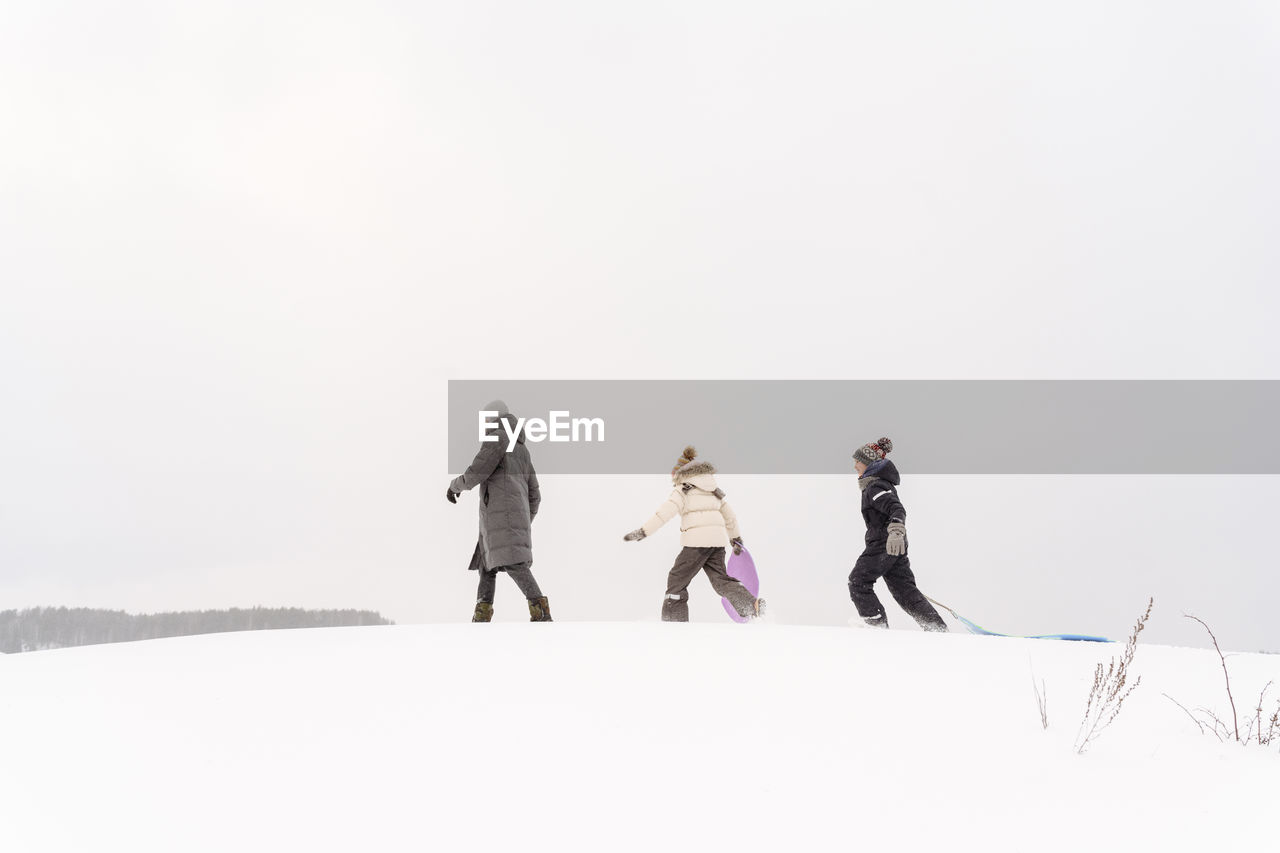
(689, 466)
(874, 452)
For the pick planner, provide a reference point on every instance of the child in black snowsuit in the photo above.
(886, 553)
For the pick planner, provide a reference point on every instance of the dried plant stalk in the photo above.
(1258, 729)
(1110, 689)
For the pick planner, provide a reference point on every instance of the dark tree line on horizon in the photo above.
(38, 628)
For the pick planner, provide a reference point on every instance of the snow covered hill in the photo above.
(631, 736)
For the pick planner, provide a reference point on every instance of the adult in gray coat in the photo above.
(509, 499)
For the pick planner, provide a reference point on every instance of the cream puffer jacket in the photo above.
(706, 519)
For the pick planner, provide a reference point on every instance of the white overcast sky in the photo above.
(244, 245)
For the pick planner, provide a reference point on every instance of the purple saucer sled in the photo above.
(742, 568)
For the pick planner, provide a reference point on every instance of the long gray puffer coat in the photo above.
(509, 499)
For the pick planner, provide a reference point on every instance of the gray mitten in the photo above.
(736, 542)
(634, 536)
(897, 544)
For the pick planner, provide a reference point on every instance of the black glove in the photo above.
(736, 542)
(452, 495)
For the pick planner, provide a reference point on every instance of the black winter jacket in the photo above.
(880, 504)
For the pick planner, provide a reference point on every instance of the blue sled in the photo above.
(975, 628)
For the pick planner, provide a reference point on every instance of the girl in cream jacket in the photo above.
(707, 526)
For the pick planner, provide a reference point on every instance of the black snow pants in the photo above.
(898, 576)
(521, 573)
(690, 561)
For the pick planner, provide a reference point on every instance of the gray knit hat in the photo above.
(868, 453)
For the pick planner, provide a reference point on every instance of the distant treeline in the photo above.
(41, 628)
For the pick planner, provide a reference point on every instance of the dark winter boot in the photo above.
(539, 610)
(675, 607)
(877, 621)
(484, 612)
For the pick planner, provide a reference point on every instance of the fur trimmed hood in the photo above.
(884, 470)
(689, 466)
(689, 470)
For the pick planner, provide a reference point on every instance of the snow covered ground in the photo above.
(623, 736)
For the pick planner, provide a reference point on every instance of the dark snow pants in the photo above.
(520, 573)
(690, 561)
(898, 576)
